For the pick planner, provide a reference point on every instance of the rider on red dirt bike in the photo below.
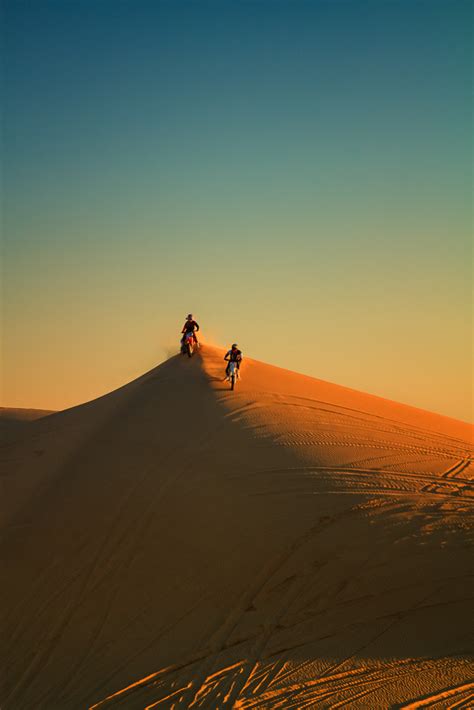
(233, 355)
(190, 326)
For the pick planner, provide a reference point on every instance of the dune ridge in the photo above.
(292, 544)
(20, 414)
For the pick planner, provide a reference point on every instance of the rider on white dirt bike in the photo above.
(190, 326)
(233, 355)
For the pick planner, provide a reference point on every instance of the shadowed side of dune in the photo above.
(118, 560)
(15, 422)
(291, 544)
(50, 443)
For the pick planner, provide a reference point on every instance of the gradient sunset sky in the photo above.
(296, 174)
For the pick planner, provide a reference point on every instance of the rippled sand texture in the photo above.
(291, 544)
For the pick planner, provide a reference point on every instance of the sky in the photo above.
(295, 174)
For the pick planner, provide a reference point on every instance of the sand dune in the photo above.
(293, 544)
(14, 422)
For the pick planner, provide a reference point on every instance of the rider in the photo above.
(190, 326)
(233, 355)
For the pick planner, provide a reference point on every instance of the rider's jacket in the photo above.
(190, 326)
(233, 355)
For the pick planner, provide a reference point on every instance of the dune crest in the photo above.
(291, 544)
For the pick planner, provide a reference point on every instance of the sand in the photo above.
(291, 544)
(14, 422)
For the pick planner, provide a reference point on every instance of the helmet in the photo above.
(189, 316)
(234, 345)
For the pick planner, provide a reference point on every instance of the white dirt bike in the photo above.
(233, 375)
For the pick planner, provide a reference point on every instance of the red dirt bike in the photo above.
(188, 344)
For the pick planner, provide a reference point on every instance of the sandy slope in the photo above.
(14, 422)
(293, 544)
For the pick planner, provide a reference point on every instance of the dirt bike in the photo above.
(188, 344)
(233, 375)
